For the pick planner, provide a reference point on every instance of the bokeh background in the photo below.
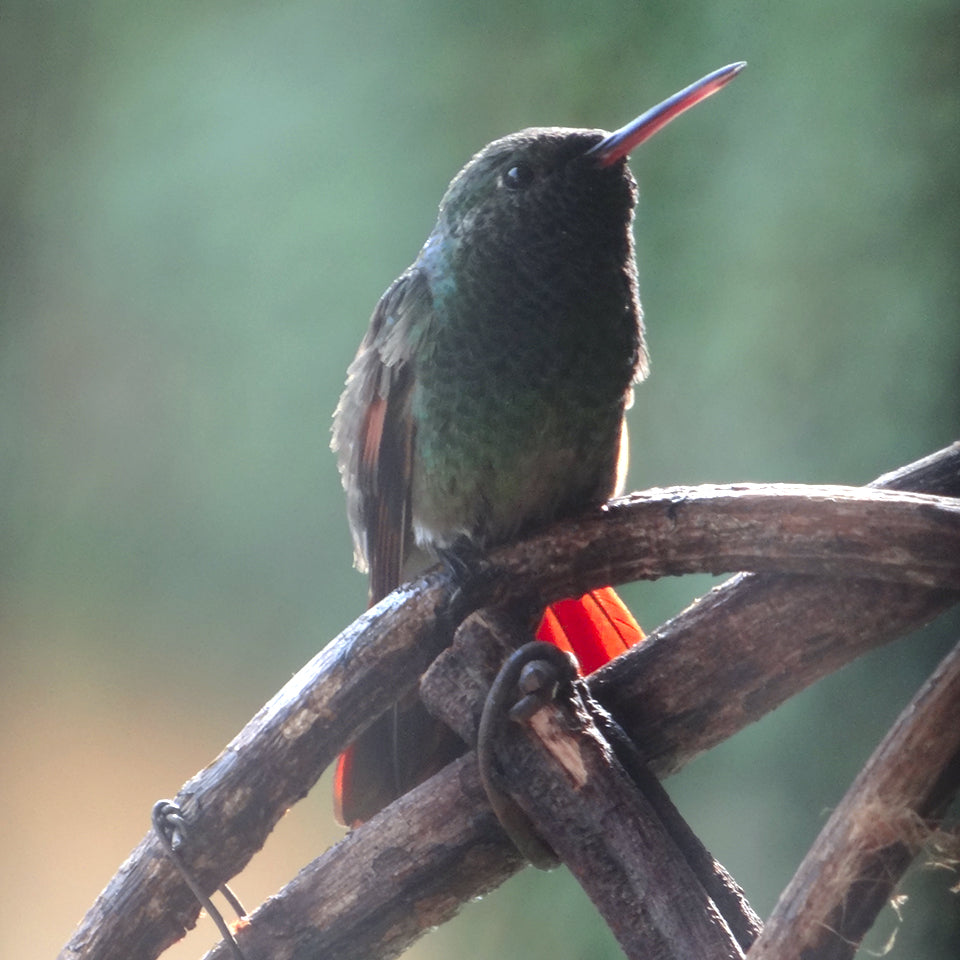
(201, 202)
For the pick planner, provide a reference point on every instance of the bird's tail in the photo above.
(595, 628)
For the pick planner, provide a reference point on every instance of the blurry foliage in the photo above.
(199, 206)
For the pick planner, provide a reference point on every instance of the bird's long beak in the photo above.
(619, 143)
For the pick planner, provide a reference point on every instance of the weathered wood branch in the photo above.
(769, 638)
(404, 872)
(609, 835)
(610, 866)
(555, 769)
(276, 918)
(828, 531)
(887, 815)
(234, 803)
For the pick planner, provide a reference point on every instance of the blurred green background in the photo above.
(200, 204)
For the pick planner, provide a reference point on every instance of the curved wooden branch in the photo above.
(877, 829)
(826, 531)
(235, 802)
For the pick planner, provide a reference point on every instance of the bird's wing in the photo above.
(373, 436)
(373, 432)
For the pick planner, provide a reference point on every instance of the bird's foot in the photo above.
(471, 576)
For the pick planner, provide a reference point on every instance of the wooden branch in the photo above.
(769, 638)
(305, 920)
(278, 918)
(828, 531)
(574, 794)
(878, 828)
(233, 804)
(405, 871)
(482, 645)
(744, 649)
(611, 839)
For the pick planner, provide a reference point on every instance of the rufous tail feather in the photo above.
(595, 628)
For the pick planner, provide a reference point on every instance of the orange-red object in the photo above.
(595, 628)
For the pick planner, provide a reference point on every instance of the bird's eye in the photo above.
(518, 176)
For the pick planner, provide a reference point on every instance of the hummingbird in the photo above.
(487, 398)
